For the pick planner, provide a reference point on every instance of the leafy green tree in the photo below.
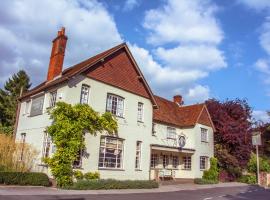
(70, 123)
(263, 162)
(19, 82)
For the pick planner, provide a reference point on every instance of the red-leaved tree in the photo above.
(232, 120)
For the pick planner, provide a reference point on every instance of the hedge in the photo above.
(24, 178)
(107, 184)
(202, 181)
(249, 179)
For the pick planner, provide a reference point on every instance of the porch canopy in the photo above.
(171, 149)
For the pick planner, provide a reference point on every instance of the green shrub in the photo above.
(212, 173)
(24, 178)
(112, 184)
(92, 175)
(202, 181)
(252, 164)
(78, 174)
(249, 179)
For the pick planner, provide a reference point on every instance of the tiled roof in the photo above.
(170, 113)
(131, 79)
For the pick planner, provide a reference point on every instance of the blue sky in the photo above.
(200, 49)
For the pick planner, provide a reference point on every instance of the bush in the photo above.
(24, 178)
(249, 179)
(92, 175)
(252, 164)
(212, 173)
(112, 184)
(78, 175)
(202, 181)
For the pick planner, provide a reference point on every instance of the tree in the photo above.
(70, 123)
(19, 82)
(232, 120)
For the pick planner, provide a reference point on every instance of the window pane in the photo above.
(84, 94)
(115, 105)
(140, 112)
(53, 96)
(171, 133)
(37, 106)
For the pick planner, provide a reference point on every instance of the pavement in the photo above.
(227, 191)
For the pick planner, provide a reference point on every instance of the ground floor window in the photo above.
(165, 161)
(203, 162)
(175, 161)
(138, 155)
(111, 152)
(46, 145)
(154, 160)
(187, 162)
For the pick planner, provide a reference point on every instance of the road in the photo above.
(229, 193)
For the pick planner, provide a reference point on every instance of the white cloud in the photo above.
(256, 4)
(263, 66)
(198, 94)
(28, 27)
(130, 4)
(261, 116)
(183, 21)
(265, 36)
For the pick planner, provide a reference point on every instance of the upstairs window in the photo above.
(46, 145)
(115, 105)
(154, 131)
(140, 112)
(27, 107)
(53, 96)
(37, 106)
(84, 94)
(204, 135)
(138, 155)
(171, 133)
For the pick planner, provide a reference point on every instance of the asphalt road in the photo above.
(233, 193)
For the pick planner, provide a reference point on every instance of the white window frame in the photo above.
(204, 135)
(47, 142)
(187, 163)
(175, 162)
(27, 107)
(138, 155)
(203, 162)
(85, 91)
(171, 133)
(53, 98)
(115, 105)
(154, 160)
(103, 160)
(140, 114)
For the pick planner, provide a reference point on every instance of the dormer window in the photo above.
(115, 105)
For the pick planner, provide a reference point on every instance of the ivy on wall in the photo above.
(70, 123)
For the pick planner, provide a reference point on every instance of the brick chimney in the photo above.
(57, 55)
(178, 99)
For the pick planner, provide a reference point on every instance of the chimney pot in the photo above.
(57, 55)
(178, 99)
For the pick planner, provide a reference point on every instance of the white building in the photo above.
(157, 138)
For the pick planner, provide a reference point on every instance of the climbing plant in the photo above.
(70, 123)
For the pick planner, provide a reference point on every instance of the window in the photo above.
(175, 162)
(115, 105)
(154, 160)
(203, 162)
(27, 107)
(140, 112)
(187, 162)
(171, 133)
(37, 106)
(84, 94)
(111, 153)
(138, 155)
(23, 136)
(78, 162)
(46, 145)
(154, 126)
(204, 135)
(165, 161)
(53, 96)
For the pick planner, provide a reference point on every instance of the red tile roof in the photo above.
(170, 113)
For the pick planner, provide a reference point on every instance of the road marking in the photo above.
(208, 198)
(222, 196)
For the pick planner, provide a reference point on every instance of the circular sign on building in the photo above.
(181, 141)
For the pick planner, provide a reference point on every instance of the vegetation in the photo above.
(112, 184)
(92, 175)
(249, 179)
(78, 175)
(15, 156)
(232, 120)
(201, 181)
(9, 95)
(263, 163)
(70, 123)
(24, 178)
(212, 173)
